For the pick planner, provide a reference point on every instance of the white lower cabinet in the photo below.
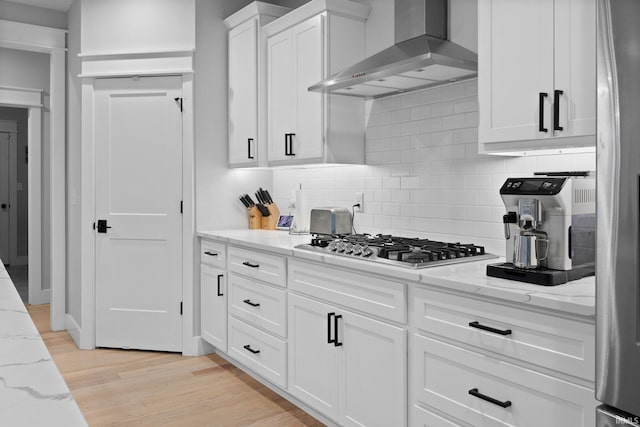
(213, 306)
(349, 367)
(482, 390)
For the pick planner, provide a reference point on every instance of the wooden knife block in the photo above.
(270, 222)
(255, 218)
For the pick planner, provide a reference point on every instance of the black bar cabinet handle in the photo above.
(329, 339)
(335, 329)
(288, 144)
(248, 264)
(211, 253)
(220, 276)
(477, 325)
(556, 109)
(252, 304)
(476, 393)
(541, 97)
(249, 141)
(248, 348)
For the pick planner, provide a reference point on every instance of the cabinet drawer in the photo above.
(556, 343)
(369, 294)
(258, 304)
(213, 254)
(258, 265)
(444, 377)
(264, 353)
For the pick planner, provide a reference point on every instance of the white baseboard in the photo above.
(196, 346)
(72, 328)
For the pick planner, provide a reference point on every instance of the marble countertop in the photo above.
(576, 297)
(32, 391)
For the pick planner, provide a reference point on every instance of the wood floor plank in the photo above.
(144, 388)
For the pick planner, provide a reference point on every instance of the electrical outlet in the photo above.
(358, 199)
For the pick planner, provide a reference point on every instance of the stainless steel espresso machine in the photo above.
(549, 228)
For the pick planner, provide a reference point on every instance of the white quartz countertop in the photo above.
(32, 391)
(576, 297)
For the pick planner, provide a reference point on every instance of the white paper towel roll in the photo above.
(302, 213)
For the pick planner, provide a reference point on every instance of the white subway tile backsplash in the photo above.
(424, 176)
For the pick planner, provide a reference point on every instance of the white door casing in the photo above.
(138, 191)
(5, 176)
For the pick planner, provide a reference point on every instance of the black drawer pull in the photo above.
(248, 348)
(541, 97)
(335, 329)
(252, 304)
(211, 253)
(556, 109)
(248, 264)
(490, 329)
(249, 141)
(220, 276)
(476, 393)
(329, 339)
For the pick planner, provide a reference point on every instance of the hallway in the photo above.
(20, 276)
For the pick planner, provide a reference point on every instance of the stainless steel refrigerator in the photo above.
(618, 214)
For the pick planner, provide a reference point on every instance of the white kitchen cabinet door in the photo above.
(213, 309)
(373, 368)
(575, 59)
(515, 49)
(308, 53)
(243, 94)
(313, 361)
(536, 77)
(281, 95)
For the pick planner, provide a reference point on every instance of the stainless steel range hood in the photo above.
(421, 57)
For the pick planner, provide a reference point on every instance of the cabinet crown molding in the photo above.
(344, 8)
(253, 10)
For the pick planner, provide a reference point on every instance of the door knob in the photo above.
(3, 206)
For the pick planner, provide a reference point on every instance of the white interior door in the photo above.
(138, 164)
(5, 175)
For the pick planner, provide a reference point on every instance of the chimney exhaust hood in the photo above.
(421, 56)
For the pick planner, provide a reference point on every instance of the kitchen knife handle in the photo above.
(477, 325)
(556, 109)
(541, 97)
(220, 276)
(248, 348)
(476, 393)
(248, 264)
(211, 253)
(329, 339)
(252, 304)
(335, 329)
(249, 141)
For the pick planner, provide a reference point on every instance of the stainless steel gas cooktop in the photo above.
(394, 250)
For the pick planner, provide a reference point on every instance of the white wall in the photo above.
(10, 11)
(137, 25)
(423, 176)
(74, 182)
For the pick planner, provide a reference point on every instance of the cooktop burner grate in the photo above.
(401, 251)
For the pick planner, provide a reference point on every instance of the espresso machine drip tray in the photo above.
(539, 276)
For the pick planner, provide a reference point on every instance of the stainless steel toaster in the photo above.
(330, 221)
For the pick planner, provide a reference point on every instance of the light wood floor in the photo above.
(143, 388)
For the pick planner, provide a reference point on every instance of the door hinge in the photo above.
(180, 206)
(179, 101)
(180, 308)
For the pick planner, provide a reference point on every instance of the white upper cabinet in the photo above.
(536, 77)
(247, 89)
(304, 47)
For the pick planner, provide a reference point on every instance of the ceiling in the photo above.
(61, 5)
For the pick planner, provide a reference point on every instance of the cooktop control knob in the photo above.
(340, 247)
(357, 249)
(348, 248)
(367, 251)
